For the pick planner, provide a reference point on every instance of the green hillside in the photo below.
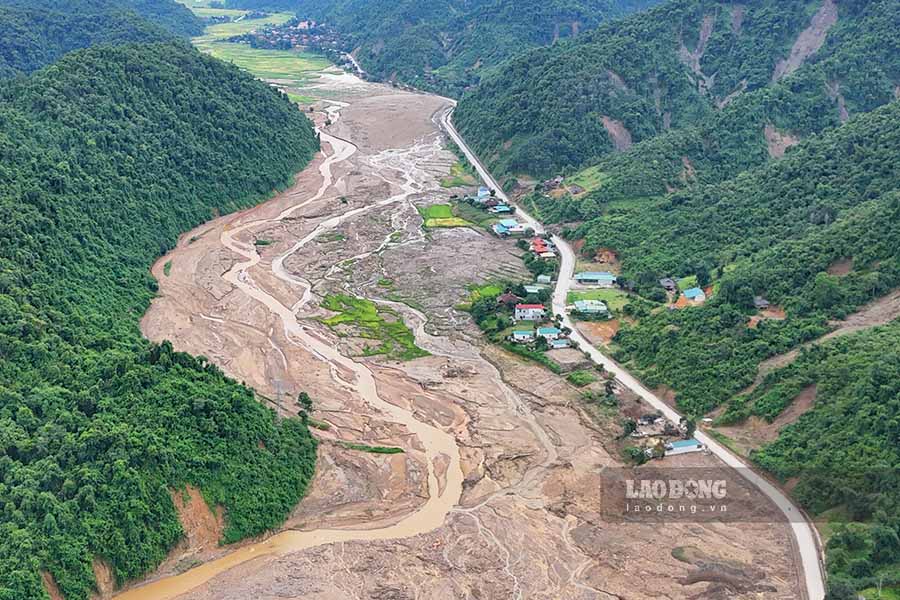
(773, 232)
(447, 45)
(844, 452)
(553, 109)
(107, 156)
(36, 33)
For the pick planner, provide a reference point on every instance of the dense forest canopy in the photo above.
(446, 45)
(105, 158)
(651, 80)
(36, 33)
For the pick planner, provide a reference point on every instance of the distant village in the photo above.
(296, 33)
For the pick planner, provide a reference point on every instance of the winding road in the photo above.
(804, 532)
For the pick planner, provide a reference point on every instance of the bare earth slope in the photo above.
(497, 494)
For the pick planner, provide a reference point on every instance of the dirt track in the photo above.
(498, 493)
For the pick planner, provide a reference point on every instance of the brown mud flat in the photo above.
(513, 509)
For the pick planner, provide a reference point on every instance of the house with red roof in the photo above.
(530, 312)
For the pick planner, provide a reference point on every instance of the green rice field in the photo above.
(441, 215)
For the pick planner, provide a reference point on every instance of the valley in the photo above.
(449, 300)
(486, 439)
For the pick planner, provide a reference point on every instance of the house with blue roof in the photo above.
(695, 295)
(523, 336)
(500, 209)
(603, 279)
(509, 223)
(591, 307)
(549, 333)
(500, 229)
(560, 344)
(684, 447)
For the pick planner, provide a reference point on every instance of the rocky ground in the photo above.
(524, 516)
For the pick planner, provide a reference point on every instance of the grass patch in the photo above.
(372, 449)
(479, 217)
(263, 242)
(580, 378)
(384, 326)
(331, 236)
(385, 282)
(892, 593)
(615, 300)
(296, 67)
(167, 268)
(460, 176)
(320, 425)
(301, 98)
(725, 441)
(590, 179)
(441, 215)
(205, 11)
(221, 31)
(533, 355)
(686, 283)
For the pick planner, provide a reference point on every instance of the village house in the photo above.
(500, 209)
(530, 312)
(552, 184)
(602, 279)
(549, 333)
(500, 229)
(575, 189)
(534, 289)
(761, 303)
(591, 307)
(695, 295)
(483, 193)
(684, 447)
(560, 344)
(508, 299)
(523, 336)
(669, 284)
(547, 279)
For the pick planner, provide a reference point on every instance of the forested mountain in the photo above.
(105, 158)
(773, 232)
(446, 45)
(36, 33)
(699, 79)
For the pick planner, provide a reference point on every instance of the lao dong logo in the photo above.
(676, 489)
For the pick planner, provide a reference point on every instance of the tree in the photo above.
(304, 402)
(841, 590)
(689, 426)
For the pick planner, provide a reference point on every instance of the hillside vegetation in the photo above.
(38, 32)
(844, 452)
(773, 232)
(446, 45)
(685, 90)
(105, 158)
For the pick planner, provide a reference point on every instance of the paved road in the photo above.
(804, 534)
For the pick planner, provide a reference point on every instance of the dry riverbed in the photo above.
(497, 493)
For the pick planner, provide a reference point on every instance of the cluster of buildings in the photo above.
(535, 316)
(542, 248)
(658, 427)
(296, 33)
